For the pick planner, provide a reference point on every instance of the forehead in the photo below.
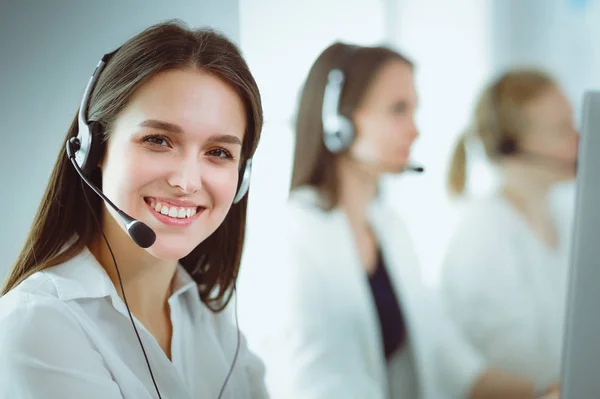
(197, 101)
(393, 81)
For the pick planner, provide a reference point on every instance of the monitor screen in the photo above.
(581, 350)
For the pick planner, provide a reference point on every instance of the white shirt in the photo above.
(66, 334)
(507, 289)
(317, 327)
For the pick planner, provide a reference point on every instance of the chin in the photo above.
(169, 250)
(567, 178)
(567, 175)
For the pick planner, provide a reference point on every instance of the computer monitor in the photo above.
(581, 353)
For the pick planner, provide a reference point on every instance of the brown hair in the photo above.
(314, 165)
(499, 117)
(63, 212)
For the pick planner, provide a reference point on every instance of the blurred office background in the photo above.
(457, 45)
(49, 49)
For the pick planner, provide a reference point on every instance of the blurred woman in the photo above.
(505, 272)
(350, 315)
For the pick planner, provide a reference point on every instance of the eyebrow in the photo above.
(173, 128)
(161, 125)
(225, 139)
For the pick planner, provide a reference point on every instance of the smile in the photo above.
(173, 214)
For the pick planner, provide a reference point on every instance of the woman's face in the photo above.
(385, 119)
(172, 160)
(551, 133)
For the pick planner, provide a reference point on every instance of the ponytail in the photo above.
(458, 168)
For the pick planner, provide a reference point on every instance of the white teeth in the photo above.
(173, 211)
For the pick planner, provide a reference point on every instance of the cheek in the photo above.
(564, 147)
(392, 134)
(124, 175)
(221, 184)
(372, 132)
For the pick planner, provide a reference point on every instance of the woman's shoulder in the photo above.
(482, 217)
(33, 308)
(305, 213)
(481, 247)
(56, 280)
(39, 286)
(305, 202)
(52, 287)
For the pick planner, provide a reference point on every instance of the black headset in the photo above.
(84, 152)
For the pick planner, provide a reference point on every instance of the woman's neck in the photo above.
(146, 280)
(530, 198)
(357, 188)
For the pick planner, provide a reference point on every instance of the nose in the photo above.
(414, 131)
(187, 176)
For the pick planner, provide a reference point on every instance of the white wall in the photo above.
(281, 39)
(48, 51)
(561, 36)
(450, 42)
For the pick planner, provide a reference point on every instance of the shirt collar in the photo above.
(83, 277)
(183, 283)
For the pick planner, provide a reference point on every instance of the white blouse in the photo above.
(508, 289)
(66, 334)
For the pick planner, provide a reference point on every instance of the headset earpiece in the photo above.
(338, 130)
(244, 184)
(507, 146)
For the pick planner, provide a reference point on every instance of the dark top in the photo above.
(391, 319)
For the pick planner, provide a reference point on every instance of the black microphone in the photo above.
(139, 232)
(417, 169)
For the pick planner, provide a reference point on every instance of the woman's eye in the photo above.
(399, 108)
(220, 153)
(156, 140)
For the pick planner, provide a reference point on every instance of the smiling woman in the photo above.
(165, 135)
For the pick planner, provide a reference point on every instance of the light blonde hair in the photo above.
(500, 116)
